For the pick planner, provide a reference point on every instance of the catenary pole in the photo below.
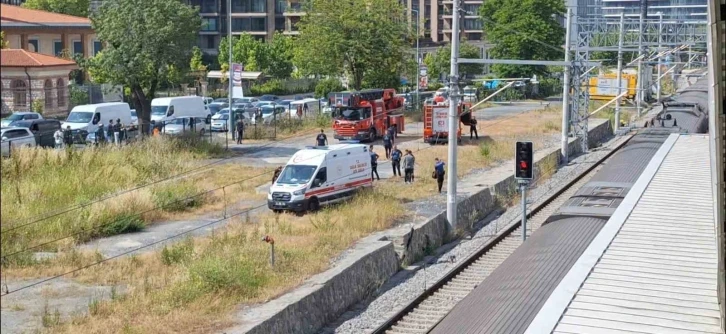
(641, 47)
(660, 59)
(620, 70)
(453, 120)
(418, 59)
(230, 125)
(564, 151)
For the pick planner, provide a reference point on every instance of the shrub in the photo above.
(177, 196)
(78, 95)
(37, 106)
(177, 253)
(231, 273)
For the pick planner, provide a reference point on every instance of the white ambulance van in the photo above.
(321, 175)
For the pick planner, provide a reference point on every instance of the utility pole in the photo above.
(230, 124)
(453, 119)
(660, 59)
(620, 70)
(564, 151)
(418, 58)
(640, 94)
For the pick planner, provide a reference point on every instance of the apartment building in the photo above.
(672, 10)
(259, 18)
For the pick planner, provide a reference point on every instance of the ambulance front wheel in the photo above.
(313, 205)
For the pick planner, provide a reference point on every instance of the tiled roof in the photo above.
(15, 14)
(23, 58)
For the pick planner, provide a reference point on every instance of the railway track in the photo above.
(434, 304)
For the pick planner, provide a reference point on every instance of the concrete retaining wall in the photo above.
(373, 260)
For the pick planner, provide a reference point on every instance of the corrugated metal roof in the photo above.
(659, 273)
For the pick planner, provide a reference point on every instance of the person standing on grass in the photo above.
(68, 136)
(439, 172)
(374, 163)
(240, 130)
(392, 133)
(109, 131)
(58, 137)
(472, 128)
(322, 139)
(408, 162)
(100, 135)
(387, 144)
(396, 161)
(117, 132)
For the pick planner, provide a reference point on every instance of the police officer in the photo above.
(396, 161)
(374, 163)
(472, 128)
(240, 130)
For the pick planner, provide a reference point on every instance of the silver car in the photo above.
(181, 125)
(13, 137)
(20, 116)
(219, 122)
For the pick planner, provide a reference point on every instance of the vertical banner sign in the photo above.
(237, 70)
(441, 119)
(423, 77)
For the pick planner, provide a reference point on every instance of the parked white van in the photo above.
(168, 108)
(86, 118)
(321, 175)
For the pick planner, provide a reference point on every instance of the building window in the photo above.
(209, 24)
(33, 45)
(97, 47)
(280, 6)
(208, 6)
(57, 47)
(20, 93)
(249, 24)
(48, 92)
(279, 23)
(210, 42)
(249, 6)
(61, 87)
(77, 47)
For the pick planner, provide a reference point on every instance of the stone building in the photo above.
(28, 77)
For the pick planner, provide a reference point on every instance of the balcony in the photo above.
(294, 9)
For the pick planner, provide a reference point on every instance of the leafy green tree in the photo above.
(69, 7)
(273, 58)
(363, 39)
(440, 61)
(516, 26)
(143, 50)
(325, 86)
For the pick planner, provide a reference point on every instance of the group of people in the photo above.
(114, 133)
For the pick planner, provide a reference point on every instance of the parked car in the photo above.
(269, 98)
(271, 112)
(215, 107)
(181, 125)
(42, 129)
(208, 100)
(14, 137)
(245, 100)
(219, 122)
(20, 116)
(134, 118)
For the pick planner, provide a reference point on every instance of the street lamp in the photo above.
(418, 58)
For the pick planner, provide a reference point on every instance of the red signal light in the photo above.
(523, 164)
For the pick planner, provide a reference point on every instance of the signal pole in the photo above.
(640, 94)
(524, 172)
(620, 71)
(564, 151)
(453, 119)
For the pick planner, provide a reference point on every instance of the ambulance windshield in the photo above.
(296, 174)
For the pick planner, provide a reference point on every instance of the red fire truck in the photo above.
(436, 121)
(365, 115)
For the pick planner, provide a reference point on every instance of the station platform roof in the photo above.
(653, 266)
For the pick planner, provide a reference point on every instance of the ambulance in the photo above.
(320, 175)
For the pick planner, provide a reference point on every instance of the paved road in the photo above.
(279, 152)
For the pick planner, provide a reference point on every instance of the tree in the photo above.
(365, 39)
(519, 28)
(144, 51)
(3, 43)
(68, 7)
(440, 61)
(273, 58)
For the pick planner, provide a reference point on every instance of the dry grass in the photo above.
(40, 182)
(193, 286)
(496, 144)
